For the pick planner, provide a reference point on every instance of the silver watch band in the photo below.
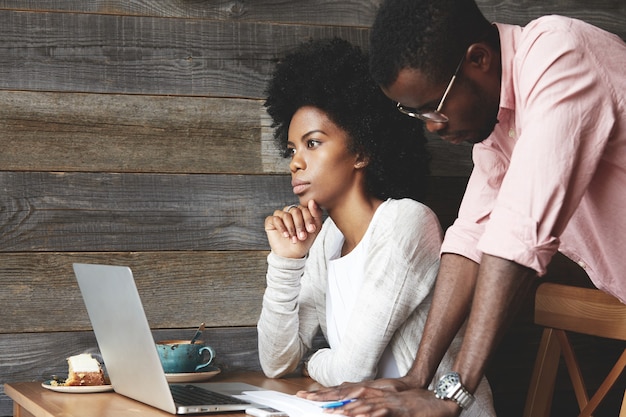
(449, 387)
(462, 397)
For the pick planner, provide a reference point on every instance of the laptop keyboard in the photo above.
(193, 395)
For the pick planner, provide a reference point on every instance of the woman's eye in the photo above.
(312, 143)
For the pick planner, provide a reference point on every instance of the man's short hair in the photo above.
(428, 35)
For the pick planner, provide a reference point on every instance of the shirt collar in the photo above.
(509, 38)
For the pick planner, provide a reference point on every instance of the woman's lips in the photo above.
(299, 187)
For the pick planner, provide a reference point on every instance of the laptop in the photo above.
(129, 351)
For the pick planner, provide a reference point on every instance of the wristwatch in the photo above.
(449, 388)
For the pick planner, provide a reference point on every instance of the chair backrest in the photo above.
(559, 309)
(580, 310)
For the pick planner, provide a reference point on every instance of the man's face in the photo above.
(470, 110)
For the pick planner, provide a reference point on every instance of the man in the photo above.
(545, 105)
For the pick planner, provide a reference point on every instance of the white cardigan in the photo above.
(401, 267)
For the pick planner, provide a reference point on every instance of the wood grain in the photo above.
(236, 349)
(607, 14)
(137, 212)
(582, 310)
(320, 12)
(148, 212)
(147, 55)
(38, 291)
(128, 133)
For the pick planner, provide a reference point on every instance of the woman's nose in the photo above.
(296, 163)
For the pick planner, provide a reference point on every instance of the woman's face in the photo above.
(322, 167)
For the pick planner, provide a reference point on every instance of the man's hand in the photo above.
(409, 403)
(365, 389)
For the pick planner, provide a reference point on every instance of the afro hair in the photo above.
(333, 76)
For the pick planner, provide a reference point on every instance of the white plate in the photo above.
(77, 389)
(193, 376)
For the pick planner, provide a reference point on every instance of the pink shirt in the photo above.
(552, 175)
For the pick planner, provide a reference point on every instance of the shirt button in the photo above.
(582, 264)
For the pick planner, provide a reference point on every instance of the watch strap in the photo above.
(449, 387)
(462, 397)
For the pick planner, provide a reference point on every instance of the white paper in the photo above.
(291, 404)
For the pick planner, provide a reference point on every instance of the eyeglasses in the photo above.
(435, 116)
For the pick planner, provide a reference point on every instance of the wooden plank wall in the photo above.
(133, 133)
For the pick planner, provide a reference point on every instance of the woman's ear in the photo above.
(361, 161)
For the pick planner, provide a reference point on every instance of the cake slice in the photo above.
(84, 370)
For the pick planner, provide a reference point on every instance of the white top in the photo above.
(345, 279)
(401, 264)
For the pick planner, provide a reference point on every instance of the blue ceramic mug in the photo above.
(180, 356)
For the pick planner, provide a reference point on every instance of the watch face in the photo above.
(446, 383)
(449, 388)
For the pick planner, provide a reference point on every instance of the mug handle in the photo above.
(211, 356)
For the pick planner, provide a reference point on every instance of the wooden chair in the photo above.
(560, 308)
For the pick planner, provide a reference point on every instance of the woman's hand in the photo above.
(292, 230)
(384, 398)
(364, 389)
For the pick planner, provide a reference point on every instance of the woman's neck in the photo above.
(353, 219)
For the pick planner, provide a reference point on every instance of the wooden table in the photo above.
(30, 399)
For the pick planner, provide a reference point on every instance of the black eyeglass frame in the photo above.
(435, 116)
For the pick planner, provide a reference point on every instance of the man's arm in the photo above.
(453, 295)
(500, 291)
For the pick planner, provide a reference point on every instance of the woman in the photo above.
(364, 275)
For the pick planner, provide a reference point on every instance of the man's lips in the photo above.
(299, 186)
(452, 139)
(455, 138)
